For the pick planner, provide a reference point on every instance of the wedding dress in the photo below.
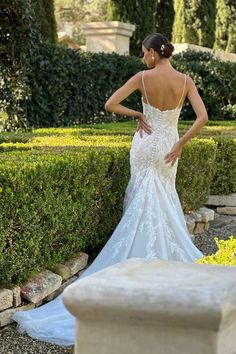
(152, 225)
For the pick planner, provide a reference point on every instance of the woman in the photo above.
(153, 224)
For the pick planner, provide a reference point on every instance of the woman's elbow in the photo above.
(204, 118)
(107, 106)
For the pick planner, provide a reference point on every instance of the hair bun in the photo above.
(168, 50)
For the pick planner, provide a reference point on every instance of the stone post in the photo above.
(150, 306)
(108, 37)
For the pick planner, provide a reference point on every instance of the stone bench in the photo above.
(155, 307)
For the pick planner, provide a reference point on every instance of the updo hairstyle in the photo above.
(160, 44)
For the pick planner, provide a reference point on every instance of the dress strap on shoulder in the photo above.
(183, 91)
(144, 89)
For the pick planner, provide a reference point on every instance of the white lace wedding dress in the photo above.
(152, 225)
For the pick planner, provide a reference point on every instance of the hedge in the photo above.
(67, 87)
(58, 201)
(53, 206)
(224, 179)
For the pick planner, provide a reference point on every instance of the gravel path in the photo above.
(222, 227)
(12, 342)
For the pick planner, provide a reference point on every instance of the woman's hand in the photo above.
(143, 125)
(174, 154)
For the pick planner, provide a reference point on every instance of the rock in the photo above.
(60, 290)
(227, 210)
(196, 216)
(62, 270)
(231, 200)
(199, 228)
(216, 200)
(41, 286)
(16, 296)
(77, 263)
(222, 200)
(6, 299)
(207, 226)
(6, 316)
(207, 214)
(190, 222)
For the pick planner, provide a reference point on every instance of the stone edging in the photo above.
(43, 288)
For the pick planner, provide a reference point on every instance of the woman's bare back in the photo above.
(163, 89)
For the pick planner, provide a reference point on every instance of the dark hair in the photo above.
(160, 44)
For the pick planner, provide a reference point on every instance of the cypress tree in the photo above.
(44, 13)
(165, 17)
(194, 22)
(141, 13)
(225, 35)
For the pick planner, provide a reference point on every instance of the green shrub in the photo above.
(226, 254)
(71, 87)
(52, 207)
(224, 179)
(195, 171)
(215, 80)
(65, 87)
(58, 200)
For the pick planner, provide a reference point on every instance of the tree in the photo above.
(194, 22)
(225, 35)
(138, 12)
(44, 13)
(165, 17)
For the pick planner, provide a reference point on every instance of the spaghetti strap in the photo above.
(144, 87)
(183, 91)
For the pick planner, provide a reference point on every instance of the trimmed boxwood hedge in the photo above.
(224, 179)
(58, 201)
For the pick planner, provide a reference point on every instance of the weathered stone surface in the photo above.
(16, 296)
(143, 304)
(6, 299)
(227, 210)
(207, 226)
(6, 316)
(222, 200)
(77, 263)
(190, 222)
(196, 216)
(207, 214)
(59, 291)
(108, 37)
(199, 228)
(62, 270)
(41, 286)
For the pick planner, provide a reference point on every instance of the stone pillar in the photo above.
(108, 37)
(148, 306)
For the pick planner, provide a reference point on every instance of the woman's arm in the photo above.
(113, 103)
(200, 110)
(202, 118)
